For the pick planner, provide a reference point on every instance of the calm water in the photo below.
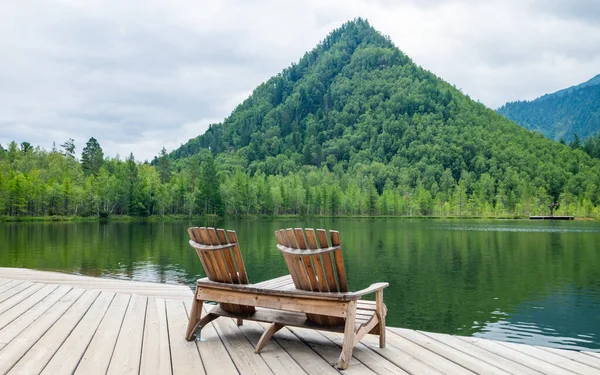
(521, 281)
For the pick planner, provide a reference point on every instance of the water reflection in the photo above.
(531, 282)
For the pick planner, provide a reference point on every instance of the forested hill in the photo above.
(359, 109)
(567, 114)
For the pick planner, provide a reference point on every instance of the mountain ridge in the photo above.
(564, 114)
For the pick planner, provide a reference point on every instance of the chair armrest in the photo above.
(371, 289)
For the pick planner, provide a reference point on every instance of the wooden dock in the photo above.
(552, 217)
(52, 323)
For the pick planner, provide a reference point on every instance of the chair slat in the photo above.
(303, 282)
(210, 255)
(208, 268)
(237, 255)
(308, 266)
(228, 259)
(327, 264)
(291, 238)
(311, 242)
(339, 261)
(300, 238)
(219, 256)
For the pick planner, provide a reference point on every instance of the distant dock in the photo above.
(552, 217)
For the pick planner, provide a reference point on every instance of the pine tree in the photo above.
(92, 157)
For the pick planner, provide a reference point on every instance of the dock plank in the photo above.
(67, 357)
(516, 356)
(128, 349)
(462, 359)
(214, 356)
(17, 294)
(424, 355)
(9, 285)
(484, 355)
(239, 348)
(97, 356)
(557, 360)
(367, 357)
(10, 354)
(12, 330)
(311, 362)
(328, 350)
(184, 354)
(575, 356)
(42, 351)
(278, 360)
(156, 354)
(23, 305)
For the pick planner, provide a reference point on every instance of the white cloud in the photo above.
(139, 75)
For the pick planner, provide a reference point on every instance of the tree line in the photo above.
(35, 182)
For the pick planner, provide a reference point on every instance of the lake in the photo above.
(530, 282)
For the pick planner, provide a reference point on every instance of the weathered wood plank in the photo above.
(7, 286)
(400, 358)
(10, 354)
(240, 350)
(484, 355)
(156, 355)
(42, 351)
(16, 294)
(307, 358)
(11, 330)
(214, 356)
(557, 360)
(575, 356)
(278, 360)
(593, 354)
(128, 349)
(440, 363)
(67, 357)
(21, 306)
(184, 354)
(329, 351)
(97, 356)
(516, 356)
(452, 354)
(171, 291)
(367, 357)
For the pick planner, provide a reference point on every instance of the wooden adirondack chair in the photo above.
(288, 300)
(318, 266)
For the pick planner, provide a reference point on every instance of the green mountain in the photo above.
(565, 114)
(355, 113)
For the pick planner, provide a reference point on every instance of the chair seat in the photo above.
(283, 286)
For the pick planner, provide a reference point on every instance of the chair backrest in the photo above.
(220, 254)
(314, 263)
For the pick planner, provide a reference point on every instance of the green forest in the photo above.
(353, 128)
(570, 114)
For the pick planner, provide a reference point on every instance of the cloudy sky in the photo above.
(142, 74)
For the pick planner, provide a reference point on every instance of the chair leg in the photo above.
(195, 316)
(380, 311)
(239, 321)
(349, 333)
(266, 336)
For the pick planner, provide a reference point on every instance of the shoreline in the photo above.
(25, 219)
